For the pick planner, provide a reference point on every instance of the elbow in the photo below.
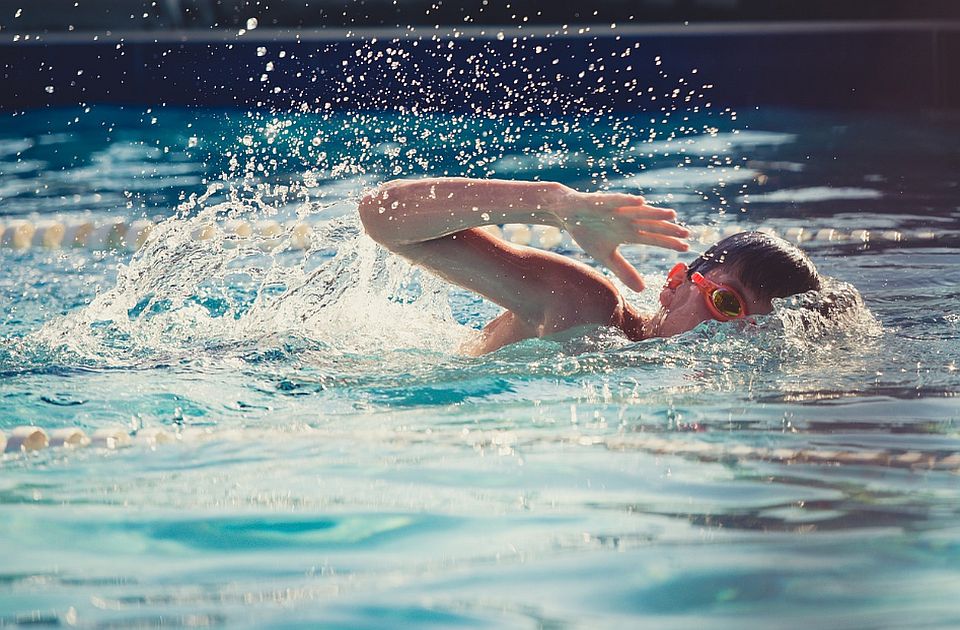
(368, 209)
(374, 215)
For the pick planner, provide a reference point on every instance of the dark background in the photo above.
(873, 55)
(62, 15)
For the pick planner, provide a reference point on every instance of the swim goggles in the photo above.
(724, 303)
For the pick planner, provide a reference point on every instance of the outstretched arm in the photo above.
(432, 222)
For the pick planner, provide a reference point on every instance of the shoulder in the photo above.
(584, 296)
(597, 301)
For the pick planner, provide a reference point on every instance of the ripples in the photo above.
(337, 460)
(333, 523)
(814, 194)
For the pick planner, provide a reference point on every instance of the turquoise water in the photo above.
(338, 462)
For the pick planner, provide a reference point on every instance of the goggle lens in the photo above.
(723, 301)
(726, 303)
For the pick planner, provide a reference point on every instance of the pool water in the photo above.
(336, 462)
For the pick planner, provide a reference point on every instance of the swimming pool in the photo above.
(331, 459)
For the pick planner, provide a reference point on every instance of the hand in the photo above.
(600, 222)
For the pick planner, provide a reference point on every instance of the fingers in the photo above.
(623, 199)
(661, 227)
(660, 240)
(644, 211)
(627, 273)
(655, 226)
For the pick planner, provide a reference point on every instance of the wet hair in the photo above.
(768, 266)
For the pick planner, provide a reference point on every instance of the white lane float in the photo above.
(77, 233)
(109, 235)
(111, 438)
(137, 234)
(153, 437)
(239, 228)
(25, 439)
(17, 234)
(49, 234)
(297, 235)
(270, 233)
(204, 232)
(517, 233)
(300, 236)
(68, 437)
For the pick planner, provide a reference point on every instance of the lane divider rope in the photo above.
(28, 439)
(124, 235)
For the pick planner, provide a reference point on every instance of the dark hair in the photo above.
(767, 265)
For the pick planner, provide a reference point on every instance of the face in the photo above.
(684, 305)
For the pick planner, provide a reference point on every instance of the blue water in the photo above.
(338, 462)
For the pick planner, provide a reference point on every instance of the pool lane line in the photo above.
(26, 439)
(130, 235)
(706, 451)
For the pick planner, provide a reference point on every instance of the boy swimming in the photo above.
(437, 224)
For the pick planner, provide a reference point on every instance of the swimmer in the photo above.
(437, 224)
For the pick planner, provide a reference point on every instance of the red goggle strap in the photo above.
(675, 275)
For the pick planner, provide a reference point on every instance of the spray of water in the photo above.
(182, 297)
(181, 294)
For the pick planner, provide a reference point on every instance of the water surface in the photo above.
(338, 462)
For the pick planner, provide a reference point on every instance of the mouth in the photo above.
(664, 297)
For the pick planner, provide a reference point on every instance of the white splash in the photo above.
(181, 294)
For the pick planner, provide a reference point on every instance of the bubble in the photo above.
(261, 51)
(252, 23)
(49, 89)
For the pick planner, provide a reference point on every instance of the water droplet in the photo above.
(252, 24)
(49, 89)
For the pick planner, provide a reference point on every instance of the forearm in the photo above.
(406, 212)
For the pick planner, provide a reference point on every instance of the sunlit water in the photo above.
(341, 463)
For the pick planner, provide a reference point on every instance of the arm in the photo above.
(432, 222)
(406, 212)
